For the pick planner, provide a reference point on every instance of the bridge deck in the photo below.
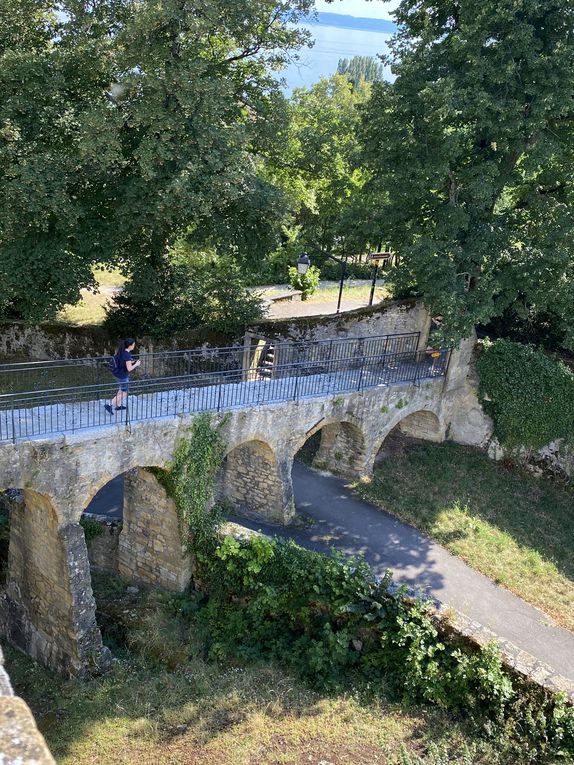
(70, 410)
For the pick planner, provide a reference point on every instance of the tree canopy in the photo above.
(470, 152)
(317, 161)
(359, 68)
(124, 122)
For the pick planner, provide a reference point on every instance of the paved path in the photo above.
(352, 525)
(344, 521)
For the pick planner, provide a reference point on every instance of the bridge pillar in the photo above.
(47, 609)
(256, 482)
(342, 450)
(150, 548)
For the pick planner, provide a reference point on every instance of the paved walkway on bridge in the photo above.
(345, 521)
(26, 416)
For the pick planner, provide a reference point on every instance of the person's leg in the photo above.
(118, 398)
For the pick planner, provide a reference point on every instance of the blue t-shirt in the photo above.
(122, 370)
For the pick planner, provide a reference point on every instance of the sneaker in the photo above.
(108, 408)
(120, 408)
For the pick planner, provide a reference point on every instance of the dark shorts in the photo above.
(123, 383)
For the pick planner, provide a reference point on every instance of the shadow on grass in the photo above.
(420, 481)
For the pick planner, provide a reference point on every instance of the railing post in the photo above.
(361, 373)
(219, 387)
(128, 405)
(13, 426)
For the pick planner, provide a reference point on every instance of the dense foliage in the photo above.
(359, 68)
(316, 162)
(207, 292)
(529, 395)
(470, 151)
(329, 620)
(190, 482)
(122, 124)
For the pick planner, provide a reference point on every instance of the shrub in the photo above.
(529, 395)
(178, 296)
(329, 619)
(307, 282)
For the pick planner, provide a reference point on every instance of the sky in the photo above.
(367, 9)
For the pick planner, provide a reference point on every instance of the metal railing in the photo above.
(24, 377)
(40, 413)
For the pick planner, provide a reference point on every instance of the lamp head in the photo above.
(303, 263)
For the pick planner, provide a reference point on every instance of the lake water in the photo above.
(331, 44)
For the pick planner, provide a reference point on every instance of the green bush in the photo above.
(92, 528)
(529, 395)
(178, 296)
(328, 619)
(307, 282)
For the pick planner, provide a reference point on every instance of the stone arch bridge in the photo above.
(47, 607)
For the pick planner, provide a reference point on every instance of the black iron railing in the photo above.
(25, 377)
(40, 413)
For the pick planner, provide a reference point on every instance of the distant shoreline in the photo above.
(353, 22)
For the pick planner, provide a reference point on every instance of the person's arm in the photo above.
(131, 364)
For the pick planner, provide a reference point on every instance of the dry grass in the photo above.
(208, 714)
(91, 308)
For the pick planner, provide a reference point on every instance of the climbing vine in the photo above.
(529, 395)
(190, 482)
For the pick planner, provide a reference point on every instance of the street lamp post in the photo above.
(343, 263)
(379, 258)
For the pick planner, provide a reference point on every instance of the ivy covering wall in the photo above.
(528, 394)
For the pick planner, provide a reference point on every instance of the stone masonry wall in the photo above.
(47, 609)
(341, 449)
(423, 425)
(103, 550)
(21, 743)
(381, 319)
(250, 482)
(149, 547)
(53, 341)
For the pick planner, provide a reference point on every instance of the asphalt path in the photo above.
(344, 521)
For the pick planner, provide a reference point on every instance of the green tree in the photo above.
(316, 162)
(361, 68)
(205, 292)
(470, 153)
(124, 123)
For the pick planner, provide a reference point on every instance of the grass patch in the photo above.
(513, 527)
(91, 309)
(327, 294)
(163, 704)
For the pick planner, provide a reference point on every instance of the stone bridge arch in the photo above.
(146, 547)
(255, 482)
(342, 446)
(47, 607)
(425, 424)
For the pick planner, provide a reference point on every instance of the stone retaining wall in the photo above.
(21, 743)
(390, 318)
(53, 341)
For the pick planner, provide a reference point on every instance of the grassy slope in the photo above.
(515, 528)
(165, 705)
